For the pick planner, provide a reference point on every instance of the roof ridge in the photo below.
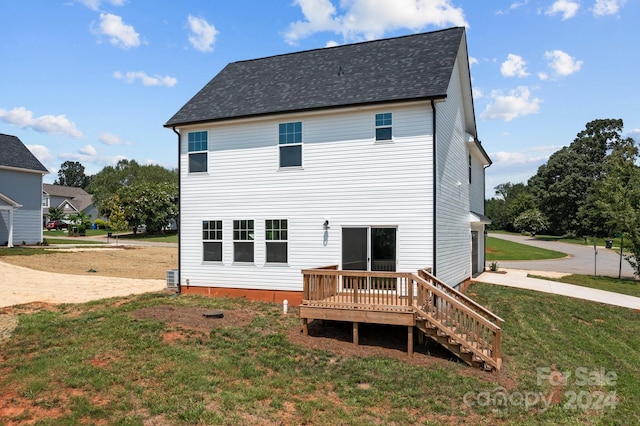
(378, 40)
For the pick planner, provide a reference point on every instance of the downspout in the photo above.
(434, 248)
(179, 225)
(484, 228)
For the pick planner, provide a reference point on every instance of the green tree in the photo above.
(71, 173)
(117, 221)
(511, 200)
(614, 199)
(561, 186)
(150, 204)
(531, 220)
(136, 185)
(56, 213)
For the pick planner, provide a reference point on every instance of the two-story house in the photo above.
(20, 193)
(364, 155)
(70, 199)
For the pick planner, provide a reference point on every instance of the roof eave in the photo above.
(170, 124)
(20, 169)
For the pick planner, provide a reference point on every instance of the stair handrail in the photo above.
(425, 274)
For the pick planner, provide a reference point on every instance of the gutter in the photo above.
(179, 200)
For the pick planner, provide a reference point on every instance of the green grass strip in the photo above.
(499, 249)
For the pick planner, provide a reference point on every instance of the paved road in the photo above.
(581, 258)
(520, 279)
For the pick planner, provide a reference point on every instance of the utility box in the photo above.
(173, 277)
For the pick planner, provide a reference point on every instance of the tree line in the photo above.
(589, 188)
(128, 194)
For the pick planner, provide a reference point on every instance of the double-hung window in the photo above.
(243, 237)
(290, 142)
(383, 127)
(212, 240)
(198, 147)
(276, 240)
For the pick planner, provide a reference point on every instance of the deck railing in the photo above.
(330, 287)
(469, 324)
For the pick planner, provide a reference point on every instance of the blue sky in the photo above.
(94, 80)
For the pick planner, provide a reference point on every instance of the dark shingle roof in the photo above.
(77, 196)
(396, 69)
(13, 153)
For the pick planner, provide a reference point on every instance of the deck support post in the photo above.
(410, 340)
(305, 328)
(355, 333)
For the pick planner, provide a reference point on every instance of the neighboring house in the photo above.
(72, 200)
(20, 193)
(363, 155)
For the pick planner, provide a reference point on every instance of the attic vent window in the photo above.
(383, 126)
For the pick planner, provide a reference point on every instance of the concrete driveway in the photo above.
(581, 258)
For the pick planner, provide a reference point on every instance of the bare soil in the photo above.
(112, 261)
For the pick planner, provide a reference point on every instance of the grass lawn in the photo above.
(623, 286)
(167, 237)
(102, 363)
(499, 249)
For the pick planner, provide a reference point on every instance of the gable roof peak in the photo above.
(14, 154)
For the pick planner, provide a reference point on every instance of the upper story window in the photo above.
(45, 200)
(243, 237)
(290, 141)
(198, 147)
(212, 240)
(276, 240)
(383, 126)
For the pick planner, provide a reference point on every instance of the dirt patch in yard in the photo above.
(121, 262)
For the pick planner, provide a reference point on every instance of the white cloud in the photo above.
(120, 34)
(88, 150)
(111, 139)
(202, 35)
(473, 61)
(635, 134)
(514, 66)
(562, 63)
(567, 8)
(95, 4)
(517, 103)
(49, 124)
(146, 80)
(370, 19)
(332, 43)
(42, 153)
(90, 158)
(607, 7)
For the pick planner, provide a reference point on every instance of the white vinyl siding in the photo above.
(453, 239)
(476, 191)
(347, 177)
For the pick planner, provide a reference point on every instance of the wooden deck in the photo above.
(413, 300)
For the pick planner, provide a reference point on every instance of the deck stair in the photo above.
(419, 301)
(465, 328)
